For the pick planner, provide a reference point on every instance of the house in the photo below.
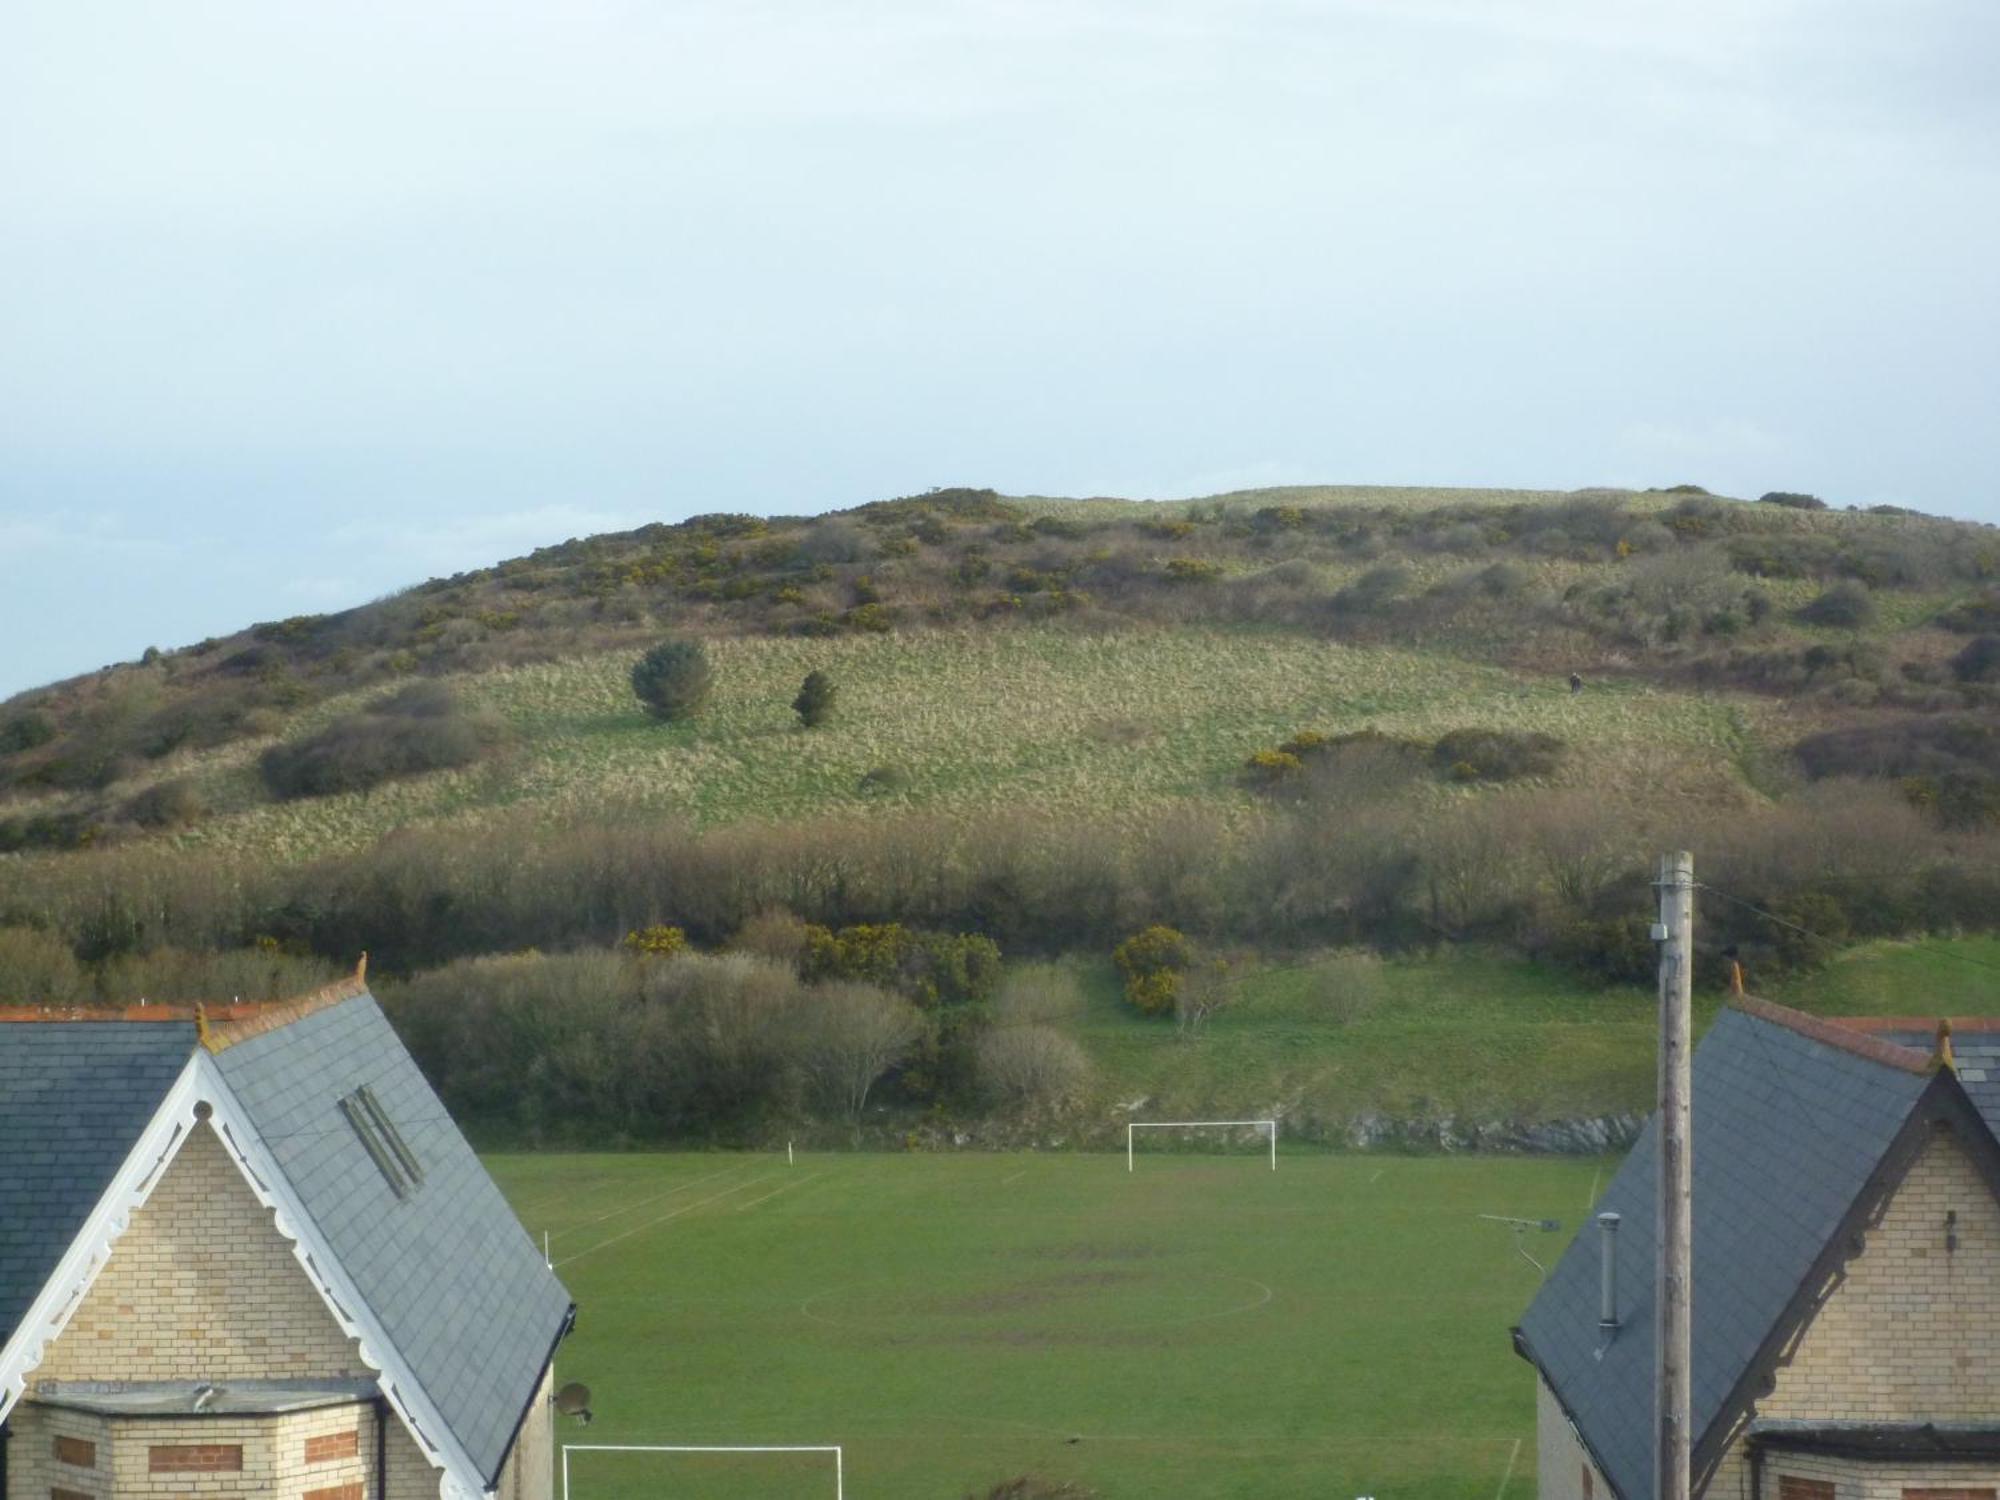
(246, 1253)
(1846, 1275)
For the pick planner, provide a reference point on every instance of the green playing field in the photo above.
(1201, 1328)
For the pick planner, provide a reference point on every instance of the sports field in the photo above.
(1201, 1328)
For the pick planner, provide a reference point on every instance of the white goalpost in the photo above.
(839, 1463)
(1133, 1127)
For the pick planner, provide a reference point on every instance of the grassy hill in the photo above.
(1290, 723)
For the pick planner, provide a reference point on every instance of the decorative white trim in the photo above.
(130, 1186)
(201, 1082)
(459, 1477)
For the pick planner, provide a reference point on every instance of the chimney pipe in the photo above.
(1607, 1294)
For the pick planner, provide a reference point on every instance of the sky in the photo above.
(303, 303)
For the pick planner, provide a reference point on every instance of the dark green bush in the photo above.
(418, 729)
(1979, 661)
(673, 680)
(169, 804)
(1496, 754)
(814, 704)
(1845, 606)
(1791, 500)
(26, 731)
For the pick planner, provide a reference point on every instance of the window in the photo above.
(195, 1458)
(1792, 1487)
(1948, 1493)
(337, 1492)
(57, 1492)
(1589, 1483)
(383, 1141)
(76, 1452)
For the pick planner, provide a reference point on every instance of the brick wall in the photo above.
(284, 1457)
(530, 1470)
(1560, 1460)
(201, 1287)
(1913, 1331)
(1854, 1480)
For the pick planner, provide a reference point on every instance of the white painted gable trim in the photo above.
(130, 1186)
(201, 1082)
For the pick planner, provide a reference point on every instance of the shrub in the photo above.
(932, 968)
(656, 941)
(1027, 1066)
(1496, 754)
(1791, 500)
(1270, 770)
(1974, 616)
(1153, 962)
(26, 731)
(1192, 570)
(1372, 592)
(1979, 661)
(405, 734)
(170, 804)
(37, 968)
(814, 704)
(673, 680)
(774, 934)
(1845, 606)
(883, 781)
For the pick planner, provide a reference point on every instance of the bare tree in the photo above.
(1031, 1065)
(1205, 989)
(856, 1034)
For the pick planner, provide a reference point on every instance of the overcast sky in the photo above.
(300, 303)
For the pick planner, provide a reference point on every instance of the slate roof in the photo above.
(74, 1098)
(1788, 1129)
(448, 1271)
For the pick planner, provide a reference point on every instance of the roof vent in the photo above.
(1607, 1286)
(383, 1141)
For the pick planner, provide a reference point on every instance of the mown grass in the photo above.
(1202, 1328)
(1059, 720)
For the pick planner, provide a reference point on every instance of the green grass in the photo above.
(1203, 1329)
(1931, 977)
(1058, 720)
(1468, 1035)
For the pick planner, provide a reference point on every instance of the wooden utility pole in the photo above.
(1673, 1283)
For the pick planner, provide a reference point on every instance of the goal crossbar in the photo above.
(1132, 1127)
(839, 1462)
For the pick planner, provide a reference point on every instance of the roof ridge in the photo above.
(218, 1036)
(1834, 1034)
(1926, 1024)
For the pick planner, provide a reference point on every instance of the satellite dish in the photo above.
(573, 1400)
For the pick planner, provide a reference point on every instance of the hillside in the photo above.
(1283, 722)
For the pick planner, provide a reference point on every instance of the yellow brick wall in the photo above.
(1911, 1334)
(274, 1454)
(1560, 1460)
(530, 1470)
(1914, 1331)
(201, 1287)
(1852, 1480)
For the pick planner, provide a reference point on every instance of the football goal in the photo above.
(839, 1466)
(1132, 1129)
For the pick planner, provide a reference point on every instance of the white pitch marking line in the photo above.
(1595, 1177)
(1378, 1174)
(687, 1208)
(801, 1182)
(1015, 1178)
(643, 1202)
(1500, 1493)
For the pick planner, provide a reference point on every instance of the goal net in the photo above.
(1132, 1129)
(831, 1452)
